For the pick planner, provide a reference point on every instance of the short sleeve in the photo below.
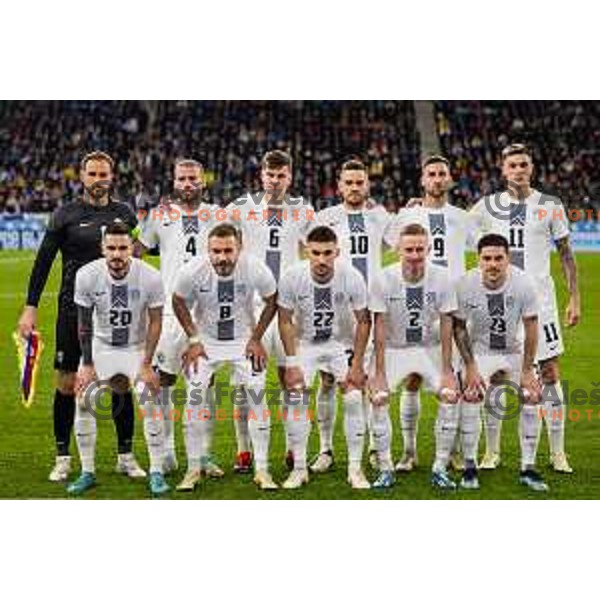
(156, 294)
(358, 290)
(559, 222)
(286, 296)
(377, 302)
(391, 231)
(184, 284)
(83, 293)
(149, 232)
(263, 280)
(461, 309)
(447, 300)
(530, 299)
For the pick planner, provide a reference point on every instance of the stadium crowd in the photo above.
(565, 137)
(41, 144)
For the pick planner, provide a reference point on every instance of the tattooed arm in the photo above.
(569, 267)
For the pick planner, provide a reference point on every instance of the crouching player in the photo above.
(220, 290)
(496, 303)
(119, 302)
(320, 301)
(413, 302)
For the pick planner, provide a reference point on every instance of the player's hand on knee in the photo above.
(530, 386)
(356, 377)
(86, 375)
(149, 378)
(379, 391)
(449, 381)
(27, 322)
(257, 354)
(192, 356)
(475, 384)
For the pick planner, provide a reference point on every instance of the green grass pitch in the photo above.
(27, 451)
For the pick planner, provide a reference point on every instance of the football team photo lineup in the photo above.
(299, 299)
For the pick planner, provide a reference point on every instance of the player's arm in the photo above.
(294, 377)
(356, 375)
(378, 383)
(255, 350)
(153, 330)
(474, 383)
(446, 336)
(195, 348)
(85, 330)
(569, 267)
(529, 381)
(37, 280)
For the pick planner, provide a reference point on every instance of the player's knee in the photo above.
(120, 384)
(549, 371)
(167, 379)
(65, 382)
(412, 383)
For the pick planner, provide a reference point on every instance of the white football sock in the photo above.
(166, 406)
(493, 411)
(410, 409)
(529, 434)
(85, 434)
(195, 423)
(326, 414)
(470, 428)
(259, 425)
(554, 414)
(354, 427)
(445, 433)
(298, 430)
(382, 435)
(242, 433)
(154, 435)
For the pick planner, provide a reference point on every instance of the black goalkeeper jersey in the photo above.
(76, 230)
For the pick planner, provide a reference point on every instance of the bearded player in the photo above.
(273, 225)
(179, 228)
(75, 229)
(533, 223)
(363, 229)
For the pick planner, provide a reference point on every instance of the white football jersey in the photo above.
(451, 231)
(120, 305)
(323, 312)
(272, 232)
(412, 310)
(531, 227)
(223, 307)
(361, 235)
(495, 317)
(181, 237)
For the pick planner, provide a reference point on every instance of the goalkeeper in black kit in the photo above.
(75, 229)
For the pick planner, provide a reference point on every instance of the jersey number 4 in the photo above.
(190, 246)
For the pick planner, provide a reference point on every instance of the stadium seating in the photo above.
(228, 136)
(564, 136)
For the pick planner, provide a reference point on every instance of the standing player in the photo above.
(363, 230)
(119, 303)
(496, 303)
(533, 222)
(273, 226)
(179, 227)
(319, 302)
(221, 290)
(450, 230)
(76, 230)
(413, 304)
